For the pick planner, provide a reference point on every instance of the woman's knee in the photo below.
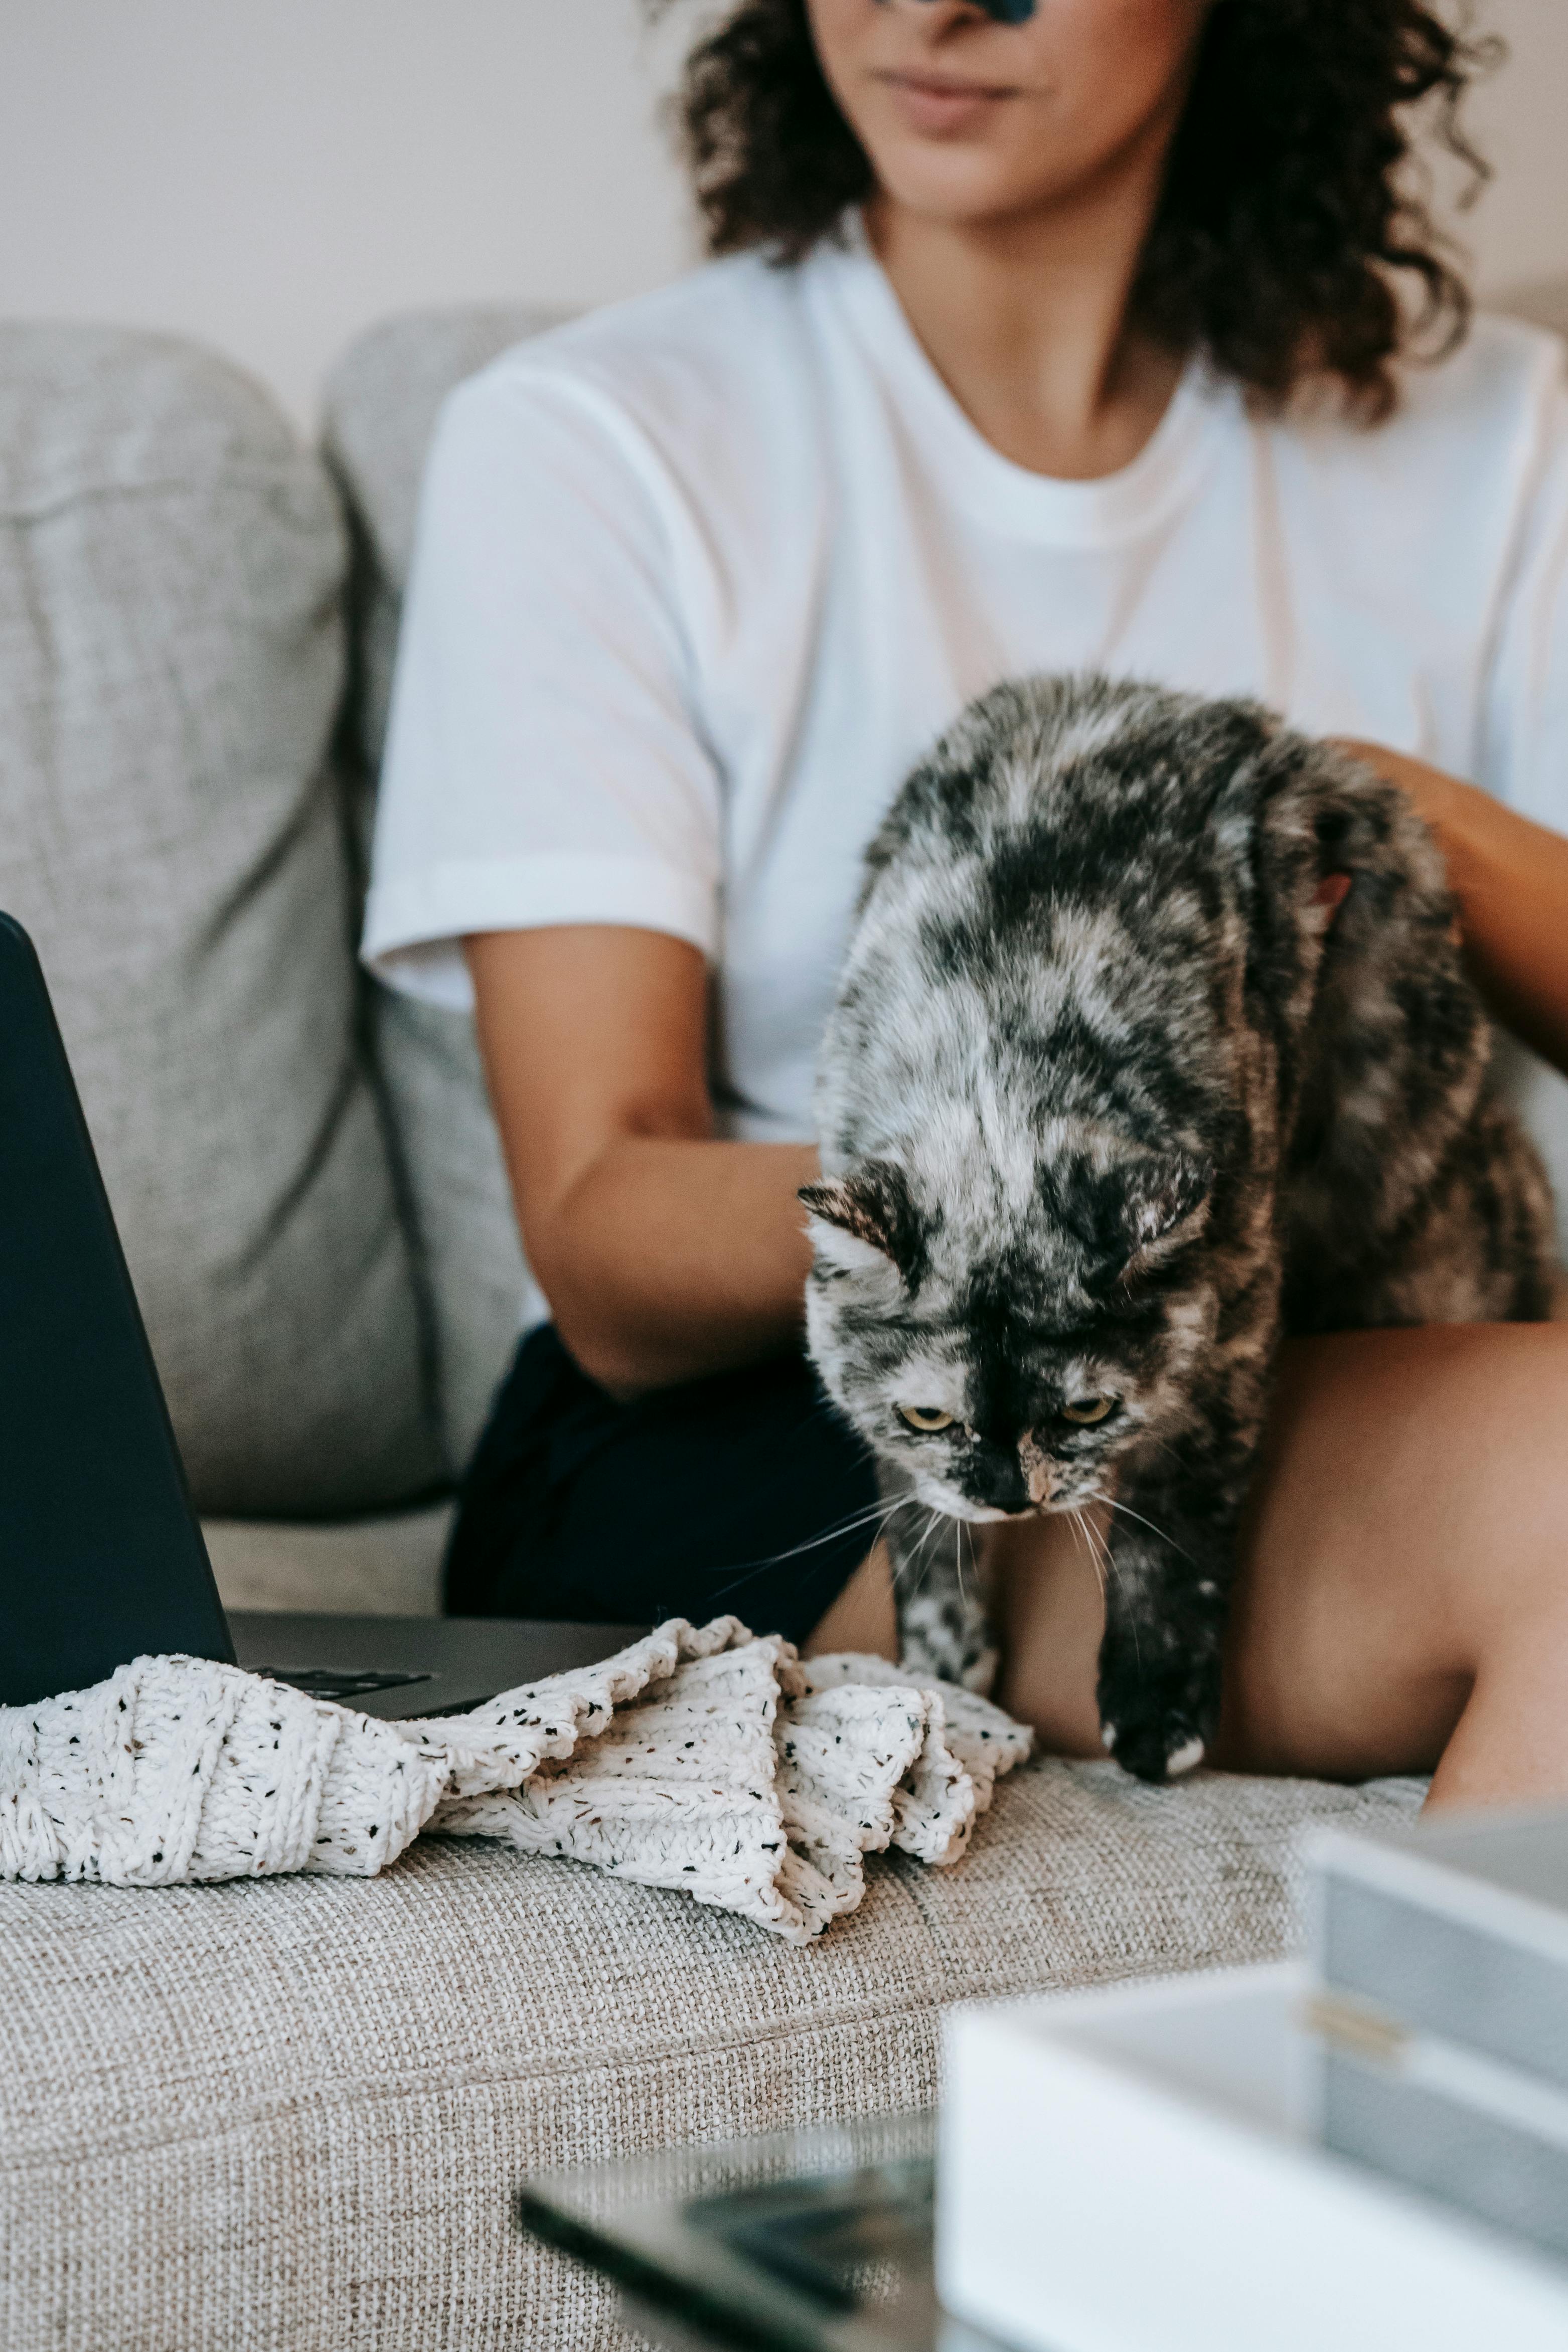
(1411, 1502)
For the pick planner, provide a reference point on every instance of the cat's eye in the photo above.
(926, 1417)
(1087, 1411)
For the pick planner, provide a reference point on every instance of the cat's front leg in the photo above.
(1171, 1560)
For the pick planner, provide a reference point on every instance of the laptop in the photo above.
(101, 1556)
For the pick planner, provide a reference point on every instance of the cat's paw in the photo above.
(1154, 1751)
(1159, 1686)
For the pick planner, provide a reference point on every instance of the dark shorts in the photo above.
(742, 1493)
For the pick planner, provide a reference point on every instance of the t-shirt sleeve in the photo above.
(543, 763)
(1524, 738)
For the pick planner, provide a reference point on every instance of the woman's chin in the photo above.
(961, 182)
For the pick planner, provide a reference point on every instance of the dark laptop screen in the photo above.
(100, 1558)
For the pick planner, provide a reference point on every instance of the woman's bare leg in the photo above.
(1403, 1598)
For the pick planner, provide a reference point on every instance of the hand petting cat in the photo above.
(1509, 878)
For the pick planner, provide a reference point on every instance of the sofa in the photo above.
(287, 2114)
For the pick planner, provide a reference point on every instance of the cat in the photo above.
(1151, 1044)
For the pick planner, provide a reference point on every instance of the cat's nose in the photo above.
(997, 1479)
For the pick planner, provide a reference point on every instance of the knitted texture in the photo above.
(699, 1758)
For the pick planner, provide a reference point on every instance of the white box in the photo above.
(1125, 2171)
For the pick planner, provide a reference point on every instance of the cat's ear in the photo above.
(873, 1210)
(1124, 1209)
(1158, 1194)
(1326, 901)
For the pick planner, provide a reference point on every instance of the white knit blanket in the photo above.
(701, 1758)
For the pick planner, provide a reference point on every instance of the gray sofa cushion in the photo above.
(171, 647)
(381, 409)
(286, 2115)
(382, 402)
(388, 1565)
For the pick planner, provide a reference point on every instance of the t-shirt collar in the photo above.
(1011, 498)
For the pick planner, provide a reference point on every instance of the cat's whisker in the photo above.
(1112, 1570)
(1165, 1537)
(879, 1516)
(914, 1566)
(1076, 1521)
(1160, 1445)
(1097, 1537)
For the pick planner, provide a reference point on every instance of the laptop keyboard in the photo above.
(339, 1683)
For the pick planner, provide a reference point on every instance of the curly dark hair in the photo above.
(1290, 235)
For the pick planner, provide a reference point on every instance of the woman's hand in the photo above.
(1509, 878)
(663, 1253)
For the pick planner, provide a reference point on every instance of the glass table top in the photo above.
(815, 2240)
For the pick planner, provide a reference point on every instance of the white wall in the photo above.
(1519, 232)
(270, 175)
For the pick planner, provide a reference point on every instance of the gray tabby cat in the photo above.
(1152, 1044)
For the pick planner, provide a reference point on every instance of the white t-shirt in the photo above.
(698, 577)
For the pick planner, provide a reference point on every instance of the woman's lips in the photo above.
(940, 108)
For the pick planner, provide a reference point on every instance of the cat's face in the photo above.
(1007, 1361)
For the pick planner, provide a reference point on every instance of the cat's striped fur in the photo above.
(1113, 1094)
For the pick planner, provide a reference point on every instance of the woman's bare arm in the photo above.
(1511, 879)
(664, 1252)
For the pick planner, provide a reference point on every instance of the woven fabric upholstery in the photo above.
(286, 2115)
(382, 404)
(171, 665)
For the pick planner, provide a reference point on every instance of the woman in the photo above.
(1075, 341)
